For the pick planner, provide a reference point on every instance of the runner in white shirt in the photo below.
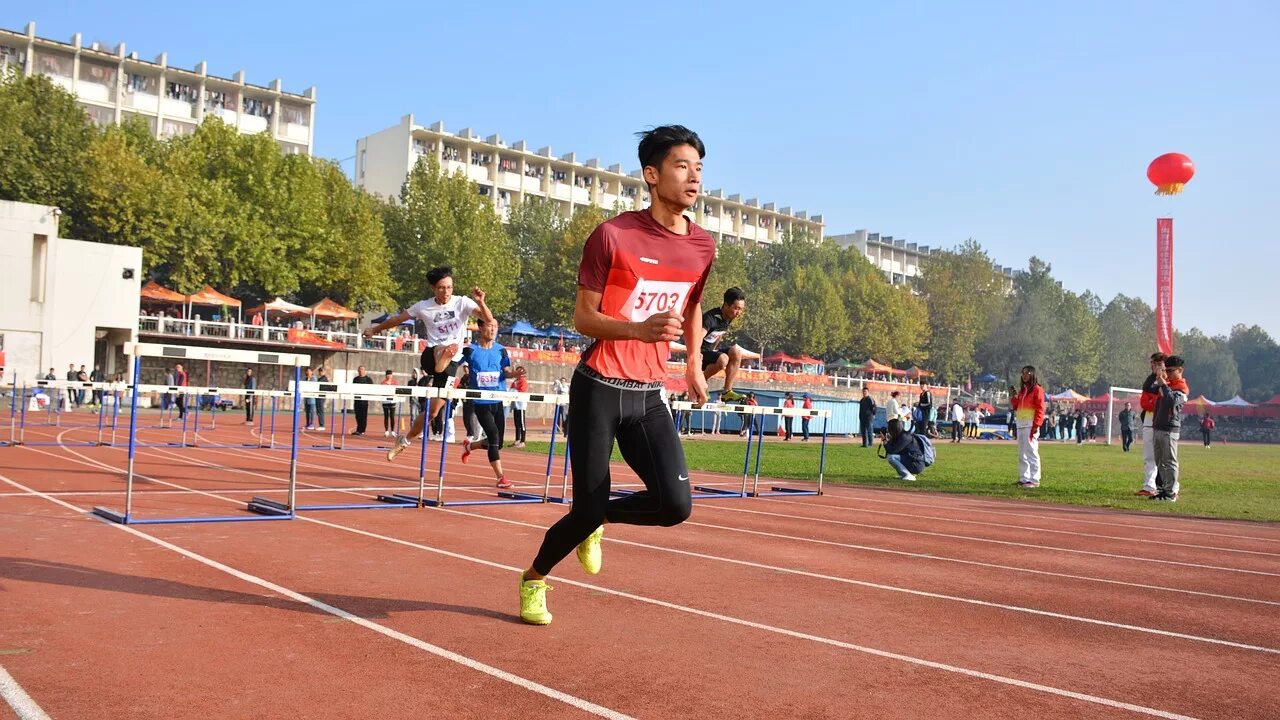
(445, 316)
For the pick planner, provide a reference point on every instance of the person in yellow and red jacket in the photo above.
(1148, 404)
(1028, 409)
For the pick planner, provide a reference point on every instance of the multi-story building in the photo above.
(114, 85)
(508, 173)
(900, 260)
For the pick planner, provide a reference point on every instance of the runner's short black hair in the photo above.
(436, 274)
(733, 295)
(655, 143)
(1174, 361)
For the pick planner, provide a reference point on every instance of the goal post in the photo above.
(1113, 408)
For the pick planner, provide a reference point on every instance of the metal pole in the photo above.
(13, 410)
(183, 396)
(99, 423)
(262, 420)
(444, 443)
(422, 461)
(133, 439)
(333, 427)
(1111, 406)
(195, 437)
(822, 454)
(564, 492)
(342, 432)
(274, 402)
(22, 427)
(551, 453)
(293, 445)
(755, 485)
(746, 462)
(115, 414)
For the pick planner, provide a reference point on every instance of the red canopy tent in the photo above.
(1270, 408)
(871, 366)
(916, 372)
(330, 310)
(1197, 406)
(781, 357)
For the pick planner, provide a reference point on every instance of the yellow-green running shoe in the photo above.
(533, 602)
(589, 555)
(730, 396)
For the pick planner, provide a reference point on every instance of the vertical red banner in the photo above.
(1164, 285)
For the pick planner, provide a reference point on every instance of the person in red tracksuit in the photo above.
(1028, 409)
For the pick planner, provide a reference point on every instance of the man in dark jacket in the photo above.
(1167, 423)
(866, 416)
(902, 450)
(361, 406)
(1126, 426)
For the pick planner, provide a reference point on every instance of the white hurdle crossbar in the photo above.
(18, 416)
(705, 492)
(504, 497)
(361, 392)
(186, 353)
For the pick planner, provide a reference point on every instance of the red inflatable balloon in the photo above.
(1170, 172)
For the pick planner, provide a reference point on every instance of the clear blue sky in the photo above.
(1027, 128)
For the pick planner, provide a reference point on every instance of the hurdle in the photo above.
(503, 497)
(707, 492)
(304, 389)
(179, 352)
(55, 389)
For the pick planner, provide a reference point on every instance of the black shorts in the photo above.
(709, 357)
(428, 364)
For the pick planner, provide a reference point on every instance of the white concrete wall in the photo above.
(84, 291)
(386, 158)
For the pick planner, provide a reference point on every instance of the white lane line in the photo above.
(1027, 527)
(978, 503)
(436, 650)
(18, 699)
(1053, 548)
(848, 581)
(737, 621)
(925, 556)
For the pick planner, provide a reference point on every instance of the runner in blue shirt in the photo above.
(488, 368)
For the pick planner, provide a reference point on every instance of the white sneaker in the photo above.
(397, 448)
(908, 478)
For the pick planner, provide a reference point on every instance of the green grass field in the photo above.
(1227, 481)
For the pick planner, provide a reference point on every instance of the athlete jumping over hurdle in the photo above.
(445, 316)
(640, 283)
(716, 322)
(488, 367)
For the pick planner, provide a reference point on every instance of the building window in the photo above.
(39, 260)
(100, 74)
(451, 153)
(506, 165)
(101, 116)
(136, 83)
(259, 108)
(180, 91)
(295, 115)
(218, 100)
(54, 64)
(364, 161)
(12, 56)
(535, 171)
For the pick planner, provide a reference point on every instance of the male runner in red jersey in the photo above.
(640, 284)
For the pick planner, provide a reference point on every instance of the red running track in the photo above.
(859, 603)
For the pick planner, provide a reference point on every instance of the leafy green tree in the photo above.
(1211, 368)
(1257, 357)
(441, 220)
(1128, 339)
(44, 138)
(963, 295)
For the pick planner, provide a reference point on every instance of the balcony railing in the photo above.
(213, 330)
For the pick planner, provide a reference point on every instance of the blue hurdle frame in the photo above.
(140, 350)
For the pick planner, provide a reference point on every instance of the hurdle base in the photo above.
(265, 506)
(783, 492)
(517, 495)
(396, 499)
(112, 515)
(706, 492)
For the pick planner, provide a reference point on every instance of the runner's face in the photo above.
(734, 310)
(488, 332)
(444, 290)
(679, 179)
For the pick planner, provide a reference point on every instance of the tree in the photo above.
(535, 229)
(887, 323)
(1127, 326)
(1080, 346)
(815, 317)
(1257, 358)
(963, 293)
(441, 220)
(1027, 333)
(1210, 367)
(44, 138)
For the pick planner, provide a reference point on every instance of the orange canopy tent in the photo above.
(157, 293)
(871, 366)
(208, 296)
(330, 310)
(916, 372)
(279, 306)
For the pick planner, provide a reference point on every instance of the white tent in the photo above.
(1236, 401)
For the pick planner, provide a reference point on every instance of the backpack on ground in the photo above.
(926, 449)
